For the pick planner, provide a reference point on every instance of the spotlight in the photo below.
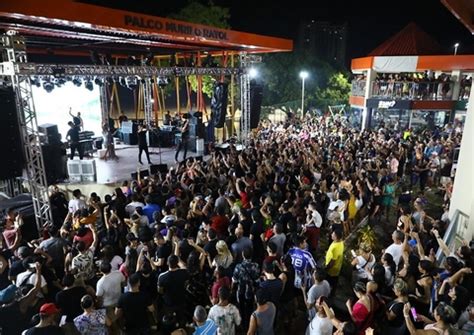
(98, 81)
(162, 82)
(48, 86)
(132, 83)
(253, 73)
(77, 81)
(89, 85)
(60, 81)
(35, 81)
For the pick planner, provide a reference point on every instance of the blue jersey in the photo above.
(302, 262)
(301, 259)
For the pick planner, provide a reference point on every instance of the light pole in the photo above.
(303, 76)
(456, 46)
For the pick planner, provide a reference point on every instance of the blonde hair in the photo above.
(401, 286)
(365, 247)
(222, 248)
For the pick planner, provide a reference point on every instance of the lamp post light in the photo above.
(456, 46)
(303, 76)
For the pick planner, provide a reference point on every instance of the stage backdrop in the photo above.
(53, 107)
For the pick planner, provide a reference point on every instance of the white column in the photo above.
(463, 191)
(371, 74)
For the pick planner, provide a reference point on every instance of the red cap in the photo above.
(49, 309)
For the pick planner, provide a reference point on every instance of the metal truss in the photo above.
(148, 102)
(245, 62)
(33, 69)
(13, 47)
(104, 104)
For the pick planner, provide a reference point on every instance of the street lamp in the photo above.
(253, 73)
(456, 46)
(303, 76)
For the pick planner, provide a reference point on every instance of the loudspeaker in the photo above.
(11, 148)
(219, 104)
(256, 96)
(130, 139)
(143, 174)
(51, 132)
(158, 168)
(55, 163)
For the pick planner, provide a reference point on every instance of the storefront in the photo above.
(402, 114)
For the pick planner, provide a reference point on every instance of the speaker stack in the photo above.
(54, 154)
(219, 104)
(11, 149)
(256, 96)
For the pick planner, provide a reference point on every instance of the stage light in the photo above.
(132, 83)
(253, 73)
(98, 81)
(35, 81)
(89, 85)
(122, 81)
(162, 82)
(48, 86)
(60, 81)
(77, 81)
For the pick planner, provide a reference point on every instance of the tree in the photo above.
(208, 14)
(336, 92)
(280, 73)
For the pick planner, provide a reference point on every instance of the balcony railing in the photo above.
(411, 90)
(358, 88)
(457, 232)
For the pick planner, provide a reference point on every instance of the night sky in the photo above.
(370, 22)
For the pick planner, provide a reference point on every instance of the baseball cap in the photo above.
(49, 309)
(8, 294)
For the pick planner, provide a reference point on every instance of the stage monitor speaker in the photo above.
(12, 149)
(158, 168)
(130, 139)
(219, 104)
(143, 174)
(256, 96)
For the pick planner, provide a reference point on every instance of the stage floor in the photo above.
(112, 172)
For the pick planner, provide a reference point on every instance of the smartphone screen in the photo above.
(413, 313)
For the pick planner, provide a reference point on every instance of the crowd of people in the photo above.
(412, 86)
(246, 241)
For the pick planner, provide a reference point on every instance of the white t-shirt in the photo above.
(130, 208)
(396, 250)
(75, 204)
(317, 219)
(109, 287)
(320, 326)
(28, 277)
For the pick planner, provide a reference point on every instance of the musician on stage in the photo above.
(183, 143)
(73, 138)
(142, 143)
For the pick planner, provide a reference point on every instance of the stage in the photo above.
(112, 172)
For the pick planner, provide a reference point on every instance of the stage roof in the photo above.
(463, 10)
(71, 27)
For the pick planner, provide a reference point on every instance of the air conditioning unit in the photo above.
(88, 170)
(74, 170)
